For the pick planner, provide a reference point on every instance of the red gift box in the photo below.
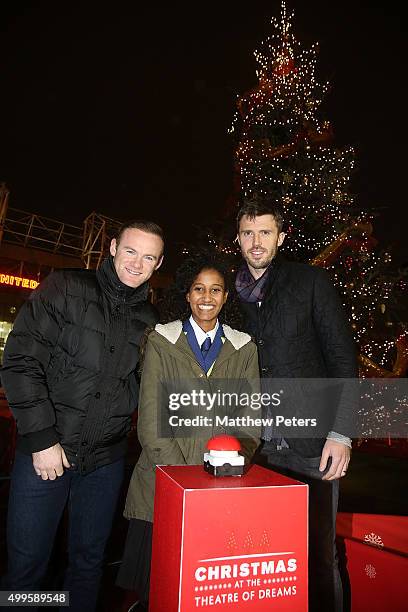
(384, 531)
(377, 578)
(232, 543)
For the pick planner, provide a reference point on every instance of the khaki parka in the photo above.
(169, 357)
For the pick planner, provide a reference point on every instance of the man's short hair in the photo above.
(141, 224)
(256, 206)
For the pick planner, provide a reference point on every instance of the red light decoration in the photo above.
(18, 281)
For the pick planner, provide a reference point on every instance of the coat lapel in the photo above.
(274, 280)
(225, 353)
(182, 350)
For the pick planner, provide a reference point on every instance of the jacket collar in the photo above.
(274, 279)
(116, 291)
(274, 273)
(172, 332)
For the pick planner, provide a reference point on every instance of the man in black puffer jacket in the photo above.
(296, 318)
(70, 367)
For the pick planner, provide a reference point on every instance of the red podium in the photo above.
(232, 543)
(376, 551)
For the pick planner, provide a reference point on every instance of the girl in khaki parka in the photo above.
(173, 353)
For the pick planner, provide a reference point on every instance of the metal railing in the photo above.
(89, 242)
(97, 234)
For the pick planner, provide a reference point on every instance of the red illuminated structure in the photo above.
(18, 281)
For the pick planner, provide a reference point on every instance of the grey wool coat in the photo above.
(169, 357)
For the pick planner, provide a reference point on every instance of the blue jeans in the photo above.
(34, 512)
(325, 586)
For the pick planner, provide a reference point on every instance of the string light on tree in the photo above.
(285, 149)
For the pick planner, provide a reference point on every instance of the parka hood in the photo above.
(171, 331)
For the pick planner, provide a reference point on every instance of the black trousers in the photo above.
(325, 587)
(134, 572)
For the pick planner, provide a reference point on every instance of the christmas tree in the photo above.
(285, 149)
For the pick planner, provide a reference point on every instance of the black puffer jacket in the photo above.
(302, 332)
(70, 364)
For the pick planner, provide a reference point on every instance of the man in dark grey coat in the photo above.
(296, 318)
(70, 378)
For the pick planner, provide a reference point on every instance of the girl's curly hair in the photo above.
(174, 304)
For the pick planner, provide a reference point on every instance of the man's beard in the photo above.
(260, 264)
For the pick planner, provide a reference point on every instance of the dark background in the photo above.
(124, 108)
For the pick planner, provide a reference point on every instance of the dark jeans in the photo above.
(34, 512)
(325, 587)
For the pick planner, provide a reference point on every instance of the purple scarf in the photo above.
(249, 289)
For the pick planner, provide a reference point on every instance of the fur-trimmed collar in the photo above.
(171, 331)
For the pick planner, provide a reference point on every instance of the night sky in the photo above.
(124, 108)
